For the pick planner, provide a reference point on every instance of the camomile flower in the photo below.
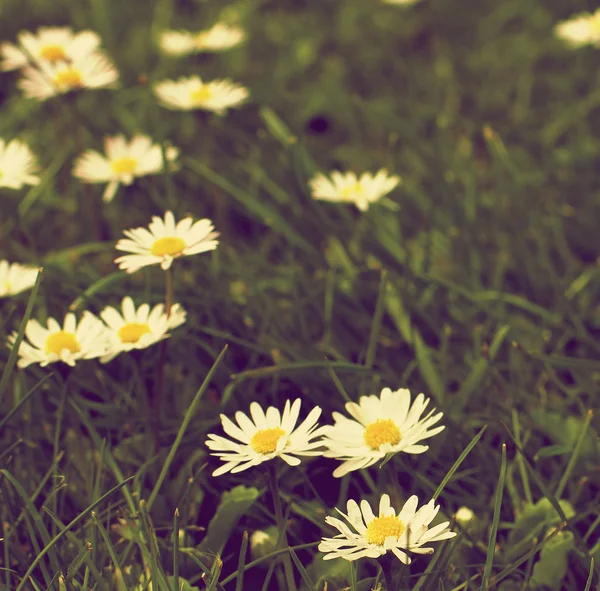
(369, 536)
(265, 436)
(187, 94)
(138, 329)
(124, 161)
(48, 45)
(16, 278)
(581, 29)
(68, 343)
(348, 188)
(163, 241)
(217, 38)
(18, 165)
(379, 426)
(94, 70)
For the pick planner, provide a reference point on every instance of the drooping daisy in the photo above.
(124, 161)
(91, 71)
(164, 241)
(581, 29)
(218, 38)
(138, 329)
(371, 536)
(17, 165)
(48, 45)
(380, 425)
(68, 344)
(15, 278)
(266, 436)
(187, 94)
(348, 188)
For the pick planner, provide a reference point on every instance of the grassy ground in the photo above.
(478, 285)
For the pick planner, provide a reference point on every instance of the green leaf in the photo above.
(540, 514)
(551, 568)
(336, 573)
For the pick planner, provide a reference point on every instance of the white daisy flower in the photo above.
(138, 329)
(382, 425)
(348, 188)
(68, 344)
(218, 38)
(192, 93)
(164, 241)
(91, 71)
(124, 161)
(372, 536)
(266, 436)
(16, 278)
(581, 29)
(48, 45)
(18, 165)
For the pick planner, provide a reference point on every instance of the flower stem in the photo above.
(281, 525)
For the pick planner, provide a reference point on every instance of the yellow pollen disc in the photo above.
(200, 40)
(124, 165)
(265, 441)
(68, 78)
(201, 95)
(383, 527)
(132, 332)
(380, 432)
(349, 192)
(60, 340)
(53, 53)
(169, 245)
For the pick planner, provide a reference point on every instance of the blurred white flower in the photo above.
(17, 165)
(581, 29)
(401, 2)
(348, 188)
(124, 161)
(218, 38)
(163, 241)
(48, 45)
(15, 278)
(191, 93)
(373, 536)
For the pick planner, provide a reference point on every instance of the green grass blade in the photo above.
(588, 584)
(23, 400)
(239, 583)
(176, 550)
(376, 324)
(111, 552)
(303, 573)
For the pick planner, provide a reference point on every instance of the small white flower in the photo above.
(581, 29)
(94, 70)
(401, 2)
(68, 344)
(266, 436)
(372, 536)
(138, 329)
(218, 38)
(16, 278)
(123, 162)
(348, 188)
(464, 516)
(191, 93)
(382, 425)
(48, 45)
(18, 165)
(164, 241)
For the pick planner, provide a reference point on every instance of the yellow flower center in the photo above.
(200, 40)
(168, 246)
(349, 192)
(124, 165)
(53, 53)
(60, 340)
(383, 527)
(265, 441)
(68, 78)
(132, 332)
(380, 432)
(201, 95)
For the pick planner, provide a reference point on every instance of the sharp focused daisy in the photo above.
(266, 436)
(348, 188)
(187, 94)
(48, 45)
(371, 536)
(379, 426)
(18, 165)
(68, 343)
(124, 161)
(138, 329)
(579, 30)
(218, 38)
(91, 71)
(16, 278)
(164, 241)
